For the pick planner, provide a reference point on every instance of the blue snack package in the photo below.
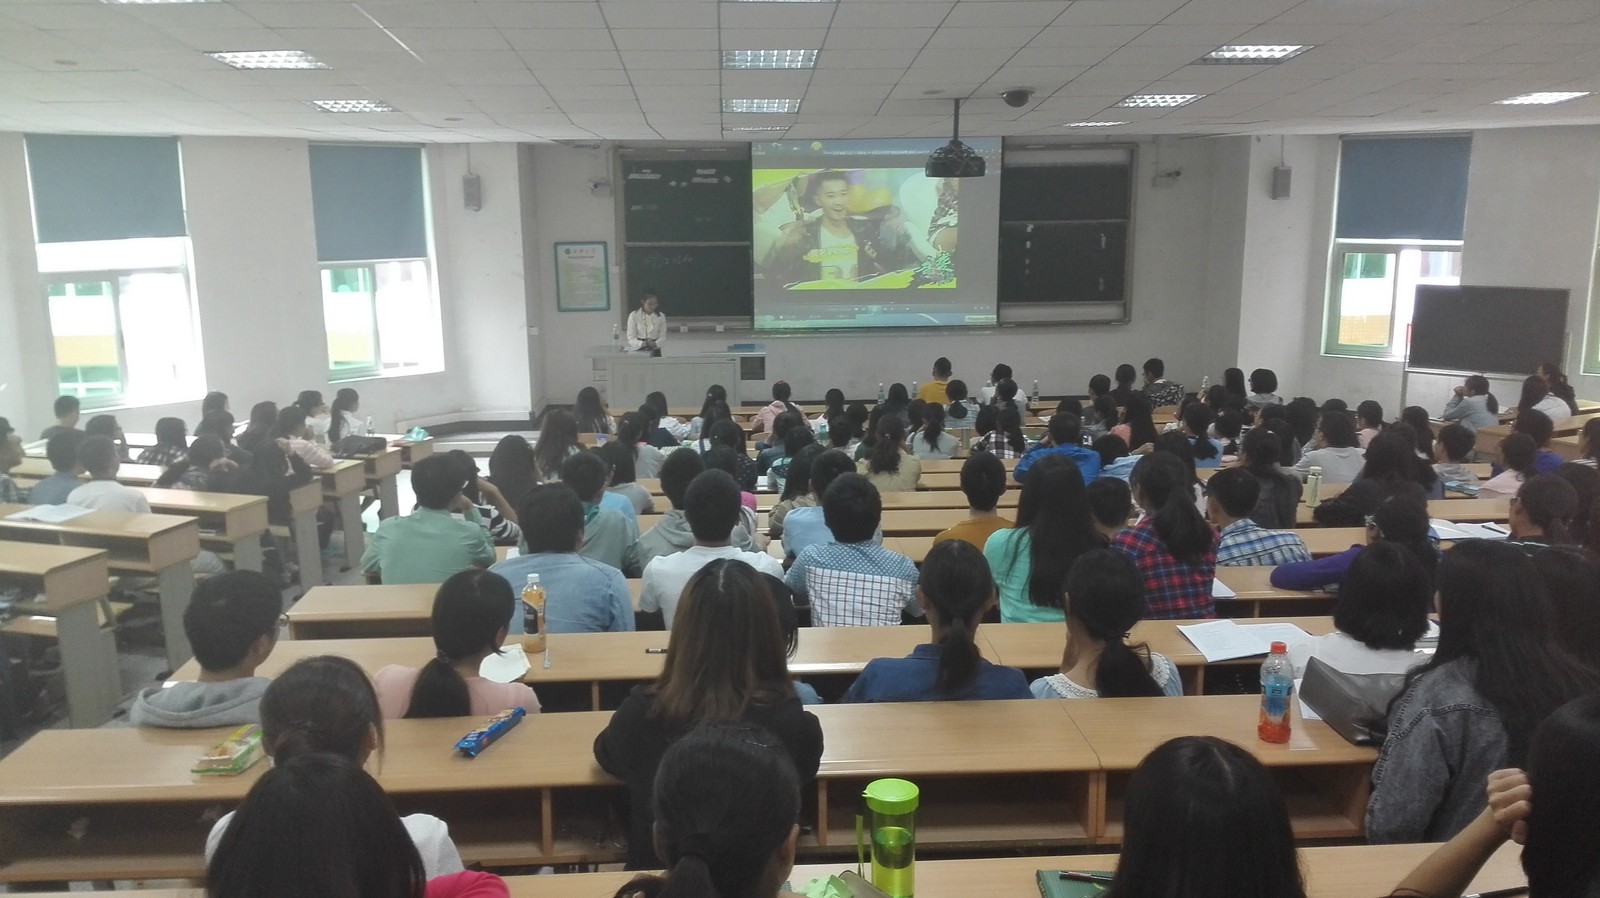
(481, 738)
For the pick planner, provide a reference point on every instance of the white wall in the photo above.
(26, 370)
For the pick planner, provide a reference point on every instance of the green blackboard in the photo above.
(693, 281)
(687, 201)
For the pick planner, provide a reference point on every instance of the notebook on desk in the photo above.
(1056, 883)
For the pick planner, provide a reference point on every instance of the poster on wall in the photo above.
(583, 278)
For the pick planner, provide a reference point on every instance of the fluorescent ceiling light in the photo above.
(769, 59)
(269, 59)
(770, 107)
(1092, 124)
(786, 1)
(1254, 54)
(1542, 98)
(1152, 101)
(759, 128)
(158, 1)
(352, 105)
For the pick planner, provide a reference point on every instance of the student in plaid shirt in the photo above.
(1231, 494)
(1172, 546)
(853, 581)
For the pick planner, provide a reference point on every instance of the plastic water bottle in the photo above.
(533, 615)
(1035, 393)
(1314, 487)
(1205, 384)
(914, 386)
(616, 338)
(880, 394)
(369, 431)
(1277, 690)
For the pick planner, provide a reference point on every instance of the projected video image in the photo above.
(855, 229)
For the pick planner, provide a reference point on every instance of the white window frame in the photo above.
(1591, 344)
(379, 368)
(1394, 348)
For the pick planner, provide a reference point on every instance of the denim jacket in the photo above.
(1444, 740)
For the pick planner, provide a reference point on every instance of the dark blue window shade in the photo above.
(368, 202)
(1403, 188)
(105, 188)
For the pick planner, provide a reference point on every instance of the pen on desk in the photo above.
(547, 652)
(1077, 876)
(1499, 893)
(655, 651)
(1497, 529)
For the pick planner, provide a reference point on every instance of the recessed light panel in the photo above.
(1158, 101)
(158, 1)
(1254, 54)
(269, 59)
(769, 59)
(759, 128)
(1092, 124)
(768, 107)
(1542, 98)
(352, 105)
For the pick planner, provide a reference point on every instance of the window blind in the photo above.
(368, 202)
(105, 188)
(1403, 188)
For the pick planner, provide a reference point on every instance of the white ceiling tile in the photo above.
(483, 59)
(422, 39)
(574, 60)
(669, 39)
(660, 13)
(875, 60)
(969, 59)
(636, 60)
(1118, 12)
(571, 39)
(1215, 12)
(1087, 35)
(542, 13)
(877, 38)
(772, 38)
(303, 15)
(778, 15)
(960, 38)
(1005, 12)
(889, 14)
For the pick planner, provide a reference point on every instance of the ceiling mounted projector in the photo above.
(955, 159)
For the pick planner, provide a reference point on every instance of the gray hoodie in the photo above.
(671, 535)
(192, 706)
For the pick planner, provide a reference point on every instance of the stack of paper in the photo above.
(1447, 530)
(1221, 590)
(1224, 640)
(49, 514)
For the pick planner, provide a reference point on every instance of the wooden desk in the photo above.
(364, 612)
(304, 503)
(1488, 442)
(1463, 510)
(1567, 447)
(953, 465)
(159, 545)
(1324, 779)
(70, 584)
(34, 469)
(410, 452)
(1320, 541)
(383, 472)
(946, 499)
(1256, 596)
(342, 485)
(229, 522)
(944, 481)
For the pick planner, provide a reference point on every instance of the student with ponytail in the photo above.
(890, 468)
(1105, 598)
(727, 817)
(1173, 547)
(932, 441)
(955, 590)
(1196, 425)
(326, 705)
(1542, 512)
(471, 616)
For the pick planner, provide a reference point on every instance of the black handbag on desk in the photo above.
(1355, 705)
(356, 447)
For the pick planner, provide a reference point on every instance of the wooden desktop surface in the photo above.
(1461, 510)
(229, 516)
(63, 575)
(33, 469)
(143, 543)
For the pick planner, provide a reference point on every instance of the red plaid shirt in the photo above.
(1172, 588)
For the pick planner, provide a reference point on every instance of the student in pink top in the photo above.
(470, 616)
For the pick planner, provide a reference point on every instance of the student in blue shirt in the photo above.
(62, 450)
(582, 595)
(1064, 437)
(804, 526)
(954, 591)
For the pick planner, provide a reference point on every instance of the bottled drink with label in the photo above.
(1036, 393)
(1277, 690)
(1314, 487)
(533, 621)
(880, 393)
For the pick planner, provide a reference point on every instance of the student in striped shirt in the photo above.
(853, 581)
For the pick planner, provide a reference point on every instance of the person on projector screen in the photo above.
(827, 241)
(646, 325)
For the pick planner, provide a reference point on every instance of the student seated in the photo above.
(954, 592)
(798, 437)
(1264, 388)
(1381, 612)
(1536, 397)
(1585, 523)
(983, 482)
(1391, 467)
(608, 534)
(1401, 518)
(558, 439)
(67, 412)
(932, 442)
(624, 481)
(1063, 437)
(1104, 599)
(796, 492)
(1159, 391)
(325, 705)
(1195, 423)
(1472, 405)
(1452, 452)
(1000, 433)
(781, 391)
(789, 626)
(1205, 818)
(727, 805)
(582, 595)
(318, 418)
(935, 391)
(1172, 546)
(961, 413)
(1473, 708)
(494, 511)
(342, 420)
(232, 625)
(62, 450)
(11, 455)
(1115, 462)
(622, 454)
(1054, 526)
(1588, 444)
(590, 413)
(725, 664)
(1340, 455)
(1547, 808)
(1541, 516)
(727, 434)
(807, 525)
(205, 467)
(470, 612)
(853, 582)
(172, 443)
(294, 427)
(258, 430)
(1369, 421)
(672, 534)
(889, 467)
(1518, 455)
(1231, 495)
(1278, 493)
(711, 506)
(633, 430)
(431, 543)
(1540, 427)
(1110, 504)
(512, 469)
(98, 456)
(1138, 427)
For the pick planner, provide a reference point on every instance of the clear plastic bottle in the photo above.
(1035, 394)
(616, 338)
(880, 393)
(914, 389)
(1205, 384)
(533, 621)
(1314, 487)
(369, 431)
(1277, 690)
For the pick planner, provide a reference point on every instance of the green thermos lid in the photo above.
(891, 796)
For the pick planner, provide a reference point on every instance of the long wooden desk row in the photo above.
(596, 659)
(122, 804)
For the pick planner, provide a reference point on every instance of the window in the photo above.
(114, 262)
(379, 301)
(1401, 207)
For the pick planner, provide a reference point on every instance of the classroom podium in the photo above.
(626, 378)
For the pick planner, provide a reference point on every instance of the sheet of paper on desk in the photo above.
(1221, 590)
(50, 514)
(1449, 530)
(1288, 634)
(1225, 640)
(506, 667)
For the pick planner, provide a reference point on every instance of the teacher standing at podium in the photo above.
(646, 325)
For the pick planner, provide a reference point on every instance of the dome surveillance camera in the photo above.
(1017, 97)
